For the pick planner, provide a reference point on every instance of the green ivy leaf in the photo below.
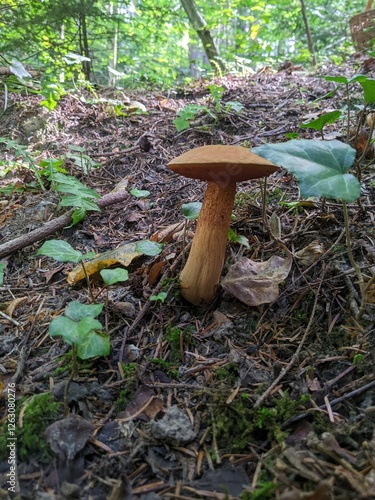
(94, 344)
(112, 276)
(323, 120)
(2, 267)
(139, 193)
(60, 251)
(77, 311)
(319, 166)
(233, 237)
(191, 210)
(368, 86)
(150, 248)
(66, 328)
(160, 296)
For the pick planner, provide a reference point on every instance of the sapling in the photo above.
(321, 169)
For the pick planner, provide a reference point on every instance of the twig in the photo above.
(286, 369)
(333, 402)
(55, 225)
(148, 304)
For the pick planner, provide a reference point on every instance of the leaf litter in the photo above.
(276, 398)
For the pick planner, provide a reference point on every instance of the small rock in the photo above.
(175, 427)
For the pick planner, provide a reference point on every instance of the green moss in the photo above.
(37, 414)
(235, 423)
(177, 337)
(228, 372)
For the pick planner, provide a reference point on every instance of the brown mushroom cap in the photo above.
(222, 167)
(208, 162)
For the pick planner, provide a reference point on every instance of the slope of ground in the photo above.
(223, 401)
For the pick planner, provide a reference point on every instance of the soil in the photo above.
(218, 401)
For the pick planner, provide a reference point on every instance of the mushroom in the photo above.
(222, 167)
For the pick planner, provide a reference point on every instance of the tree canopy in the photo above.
(141, 42)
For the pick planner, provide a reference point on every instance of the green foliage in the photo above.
(189, 113)
(38, 413)
(80, 328)
(62, 252)
(322, 121)
(161, 296)
(2, 267)
(233, 237)
(320, 166)
(191, 210)
(150, 248)
(154, 38)
(112, 276)
(264, 491)
(177, 338)
(139, 193)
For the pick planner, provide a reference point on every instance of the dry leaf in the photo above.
(255, 283)
(155, 271)
(123, 256)
(167, 233)
(310, 254)
(12, 306)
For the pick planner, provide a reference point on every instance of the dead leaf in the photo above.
(255, 283)
(310, 254)
(123, 256)
(69, 436)
(167, 233)
(11, 307)
(154, 272)
(145, 406)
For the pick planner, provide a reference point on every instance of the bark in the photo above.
(200, 26)
(308, 32)
(56, 225)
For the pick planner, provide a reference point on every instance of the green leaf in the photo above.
(60, 251)
(233, 237)
(2, 267)
(336, 79)
(78, 215)
(181, 123)
(368, 86)
(160, 296)
(76, 200)
(319, 166)
(323, 120)
(66, 328)
(94, 344)
(150, 248)
(112, 276)
(236, 106)
(139, 193)
(191, 210)
(77, 311)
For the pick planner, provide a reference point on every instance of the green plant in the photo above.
(321, 169)
(177, 338)
(38, 412)
(79, 328)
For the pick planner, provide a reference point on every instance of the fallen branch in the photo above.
(55, 225)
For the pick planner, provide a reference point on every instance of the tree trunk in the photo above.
(84, 43)
(200, 26)
(308, 32)
(113, 11)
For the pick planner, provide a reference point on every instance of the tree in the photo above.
(200, 26)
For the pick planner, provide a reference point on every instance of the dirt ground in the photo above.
(222, 401)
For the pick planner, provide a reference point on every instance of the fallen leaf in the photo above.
(155, 271)
(123, 255)
(310, 254)
(255, 283)
(167, 233)
(69, 436)
(12, 306)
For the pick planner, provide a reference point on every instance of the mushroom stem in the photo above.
(201, 275)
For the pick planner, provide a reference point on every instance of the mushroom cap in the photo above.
(222, 164)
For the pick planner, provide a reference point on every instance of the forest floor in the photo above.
(223, 401)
